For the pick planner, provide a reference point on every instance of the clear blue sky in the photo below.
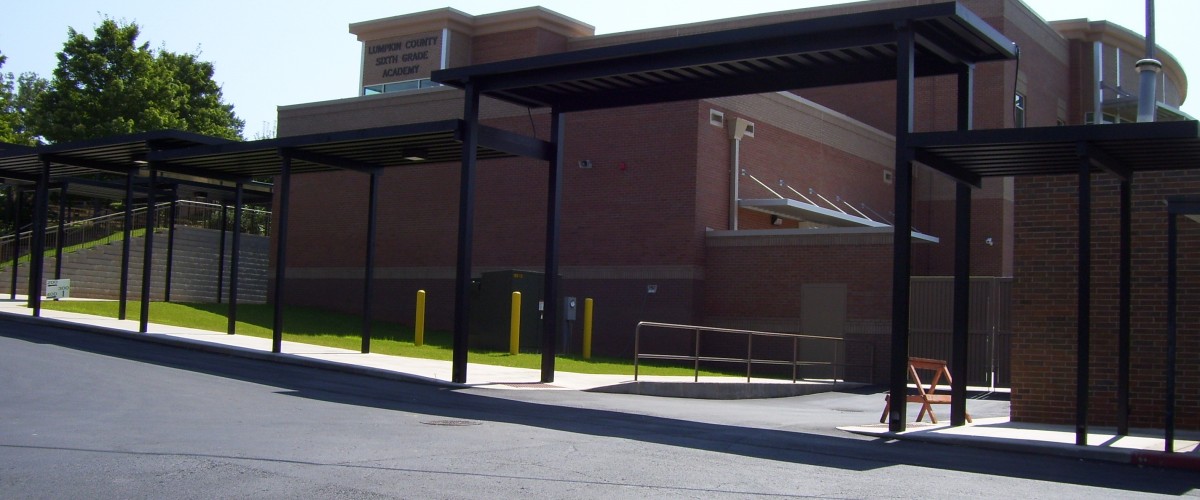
(272, 52)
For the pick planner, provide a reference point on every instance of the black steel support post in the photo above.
(466, 221)
(902, 239)
(148, 252)
(61, 232)
(235, 252)
(221, 252)
(170, 248)
(37, 239)
(15, 204)
(1083, 316)
(962, 263)
(369, 265)
(962, 305)
(284, 194)
(127, 234)
(1172, 297)
(1124, 304)
(550, 315)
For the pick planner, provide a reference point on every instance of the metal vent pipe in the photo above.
(1149, 69)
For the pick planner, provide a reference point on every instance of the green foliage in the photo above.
(256, 221)
(111, 85)
(17, 97)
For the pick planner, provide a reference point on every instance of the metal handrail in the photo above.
(749, 359)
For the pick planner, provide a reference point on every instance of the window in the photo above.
(385, 88)
(1019, 110)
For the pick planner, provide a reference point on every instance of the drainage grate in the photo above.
(452, 423)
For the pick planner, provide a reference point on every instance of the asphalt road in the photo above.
(89, 416)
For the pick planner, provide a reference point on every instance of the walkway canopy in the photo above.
(836, 50)
(211, 163)
(894, 44)
(890, 44)
(1118, 149)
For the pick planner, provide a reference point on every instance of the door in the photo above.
(822, 313)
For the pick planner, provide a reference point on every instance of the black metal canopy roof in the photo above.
(116, 154)
(363, 150)
(220, 160)
(1122, 148)
(835, 50)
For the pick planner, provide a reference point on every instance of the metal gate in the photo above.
(931, 319)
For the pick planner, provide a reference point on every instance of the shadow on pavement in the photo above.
(448, 406)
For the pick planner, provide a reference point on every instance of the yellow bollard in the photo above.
(587, 328)
(419, 324)
(514, 325)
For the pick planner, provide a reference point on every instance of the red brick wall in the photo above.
(1044, 346)
(990, 218)
(636, 205)
(634, 208)
(1049, 90)
(773, 155)
(752, 279)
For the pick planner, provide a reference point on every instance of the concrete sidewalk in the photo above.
(1143, 448)
(424, 370)
(1140, 447)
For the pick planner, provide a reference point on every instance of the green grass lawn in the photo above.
(331, 329)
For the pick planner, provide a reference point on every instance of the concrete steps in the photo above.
(96, 272)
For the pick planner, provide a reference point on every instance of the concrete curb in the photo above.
(1016, 445)
(240, 352)
(1184, 461)
(716, 390)
(1160, 459)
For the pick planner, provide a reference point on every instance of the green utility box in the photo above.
(491, 309)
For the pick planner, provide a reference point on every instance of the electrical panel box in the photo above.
(569, 308)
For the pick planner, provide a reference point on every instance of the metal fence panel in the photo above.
(990, 329)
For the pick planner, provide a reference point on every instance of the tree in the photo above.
(111, 85)
(16, 105)
(198, 97)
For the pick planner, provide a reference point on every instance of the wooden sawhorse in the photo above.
(926, 396)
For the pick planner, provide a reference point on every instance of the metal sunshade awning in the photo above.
(365, 149)
(836, 50)
(799, 210)
(794, 209)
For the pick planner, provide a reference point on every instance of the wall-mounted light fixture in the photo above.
(776, 220)
(989, 241)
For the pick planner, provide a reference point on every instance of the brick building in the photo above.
(648, 229)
